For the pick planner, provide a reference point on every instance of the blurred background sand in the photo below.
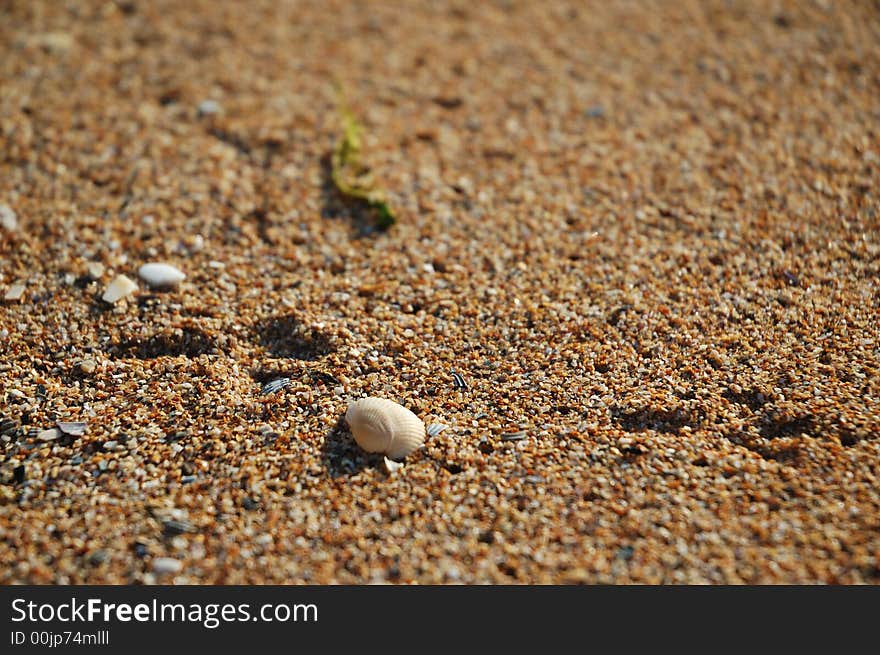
(644, 234)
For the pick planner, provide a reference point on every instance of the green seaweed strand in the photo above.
(350, 176)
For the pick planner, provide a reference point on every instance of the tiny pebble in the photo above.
(167, 565)
(73, 428)
(514, 436)
(49, 435)
(8, 219)
(95, 270)
(8, 426)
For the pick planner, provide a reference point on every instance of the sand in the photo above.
(643, 234)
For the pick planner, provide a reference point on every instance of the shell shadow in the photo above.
(186, 341)
(341, 456)
(284, 336)
(667, 421)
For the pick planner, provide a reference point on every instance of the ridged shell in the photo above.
(383, 426)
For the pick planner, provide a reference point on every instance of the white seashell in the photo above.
(160, 275)
(383, 426)
(119, 288)
(95, 270)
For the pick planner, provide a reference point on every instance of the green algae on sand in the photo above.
(352, 177)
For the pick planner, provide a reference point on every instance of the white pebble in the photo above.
(167, 565)
(15, 292)
(8, 219)
(88, 365)
(119, 288)
(391, 466)
(49, 435)
(160, 275)
(208, 107)
(435, 429)
(379, 425)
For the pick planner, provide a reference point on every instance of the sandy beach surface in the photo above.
(643, 235)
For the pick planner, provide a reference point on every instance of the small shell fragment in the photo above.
(514, 436)
(72, 428)
(14, 292)
(161, 276)
(383, 426)
(88, 366)
(275, 385)
(435, 429)
(119, 288)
